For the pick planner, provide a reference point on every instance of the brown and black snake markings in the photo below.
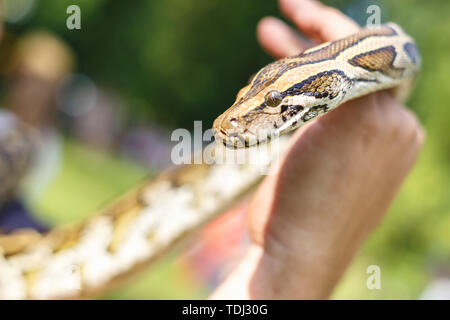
(380, 60)
(319, 85)
(273, 71)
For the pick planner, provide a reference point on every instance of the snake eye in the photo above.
(273, 98)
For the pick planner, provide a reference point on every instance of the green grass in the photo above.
(87, 180)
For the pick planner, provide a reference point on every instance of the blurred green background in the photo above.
(176, 61)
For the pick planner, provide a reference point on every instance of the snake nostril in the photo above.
(234, 122)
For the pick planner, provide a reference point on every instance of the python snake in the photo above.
(82, 260)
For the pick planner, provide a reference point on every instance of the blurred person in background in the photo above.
(38, 62)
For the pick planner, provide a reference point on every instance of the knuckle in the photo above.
(421, 135)
(410, 123)
(384, 118)
(416, 130)
(405, 126)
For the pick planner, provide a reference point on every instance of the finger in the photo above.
(318, 21)
(278, 39)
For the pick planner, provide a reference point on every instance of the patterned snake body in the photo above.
(83, 259)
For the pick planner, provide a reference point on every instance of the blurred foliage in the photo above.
(176, 61)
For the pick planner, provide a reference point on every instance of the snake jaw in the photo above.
(244, 131)
(232, 140)
(244, 138)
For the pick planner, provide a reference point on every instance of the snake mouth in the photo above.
(231, 140)
(236, 140)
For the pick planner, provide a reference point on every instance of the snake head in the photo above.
(281, 97)
(254, 121)
(265, 110)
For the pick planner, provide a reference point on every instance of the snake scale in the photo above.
(83, 259)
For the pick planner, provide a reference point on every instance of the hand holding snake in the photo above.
(336, 178)
(335, 181)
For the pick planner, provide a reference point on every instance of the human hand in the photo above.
(334, 184)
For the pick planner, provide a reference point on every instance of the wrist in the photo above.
(261, 275)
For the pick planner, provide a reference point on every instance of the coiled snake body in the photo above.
(81, 260)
